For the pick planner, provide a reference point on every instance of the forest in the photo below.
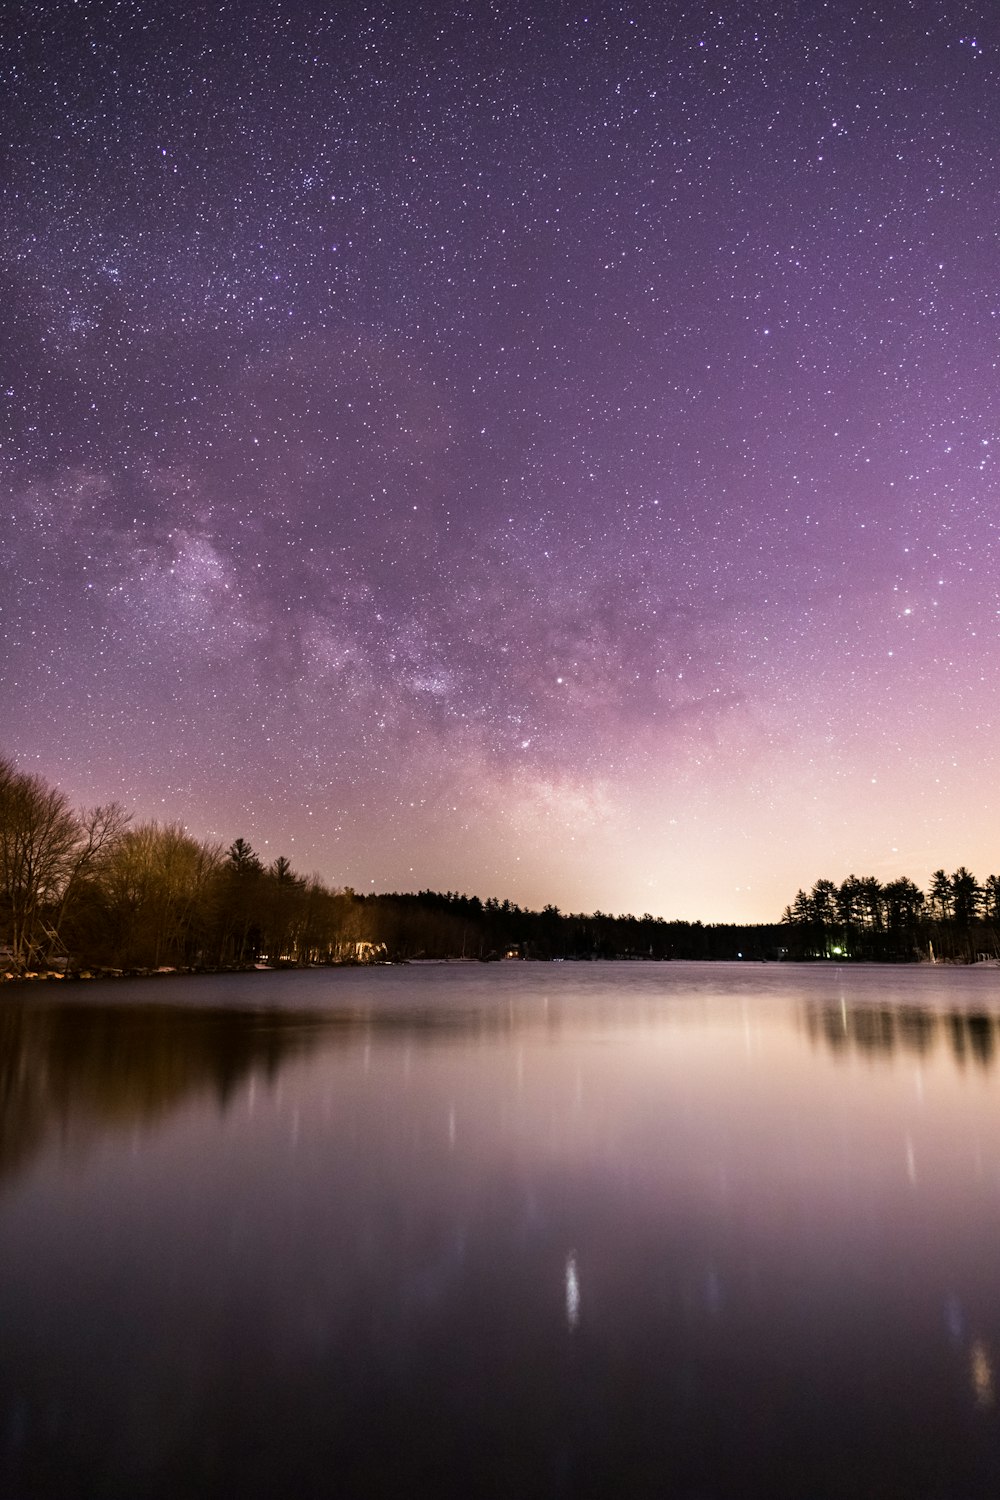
(94, 892)
(957, 921)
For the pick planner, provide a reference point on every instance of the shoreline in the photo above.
(91, 976)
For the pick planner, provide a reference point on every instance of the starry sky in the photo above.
(542, 450)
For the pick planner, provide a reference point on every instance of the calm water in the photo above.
(509, 1230)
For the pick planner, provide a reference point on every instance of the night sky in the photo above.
(545, 451)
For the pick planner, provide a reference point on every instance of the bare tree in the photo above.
(39, 840)
(157, 881)
(101, 830)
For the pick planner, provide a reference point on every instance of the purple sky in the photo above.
(547, 451)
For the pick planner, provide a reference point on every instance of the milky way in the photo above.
(540, 450)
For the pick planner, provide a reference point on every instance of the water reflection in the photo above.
(572, 1293)
(521, 1233)
(72, 1068)
(981, 1366)
(885, 1031)
(69, 1069)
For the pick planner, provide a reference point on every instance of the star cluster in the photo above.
(545, 450)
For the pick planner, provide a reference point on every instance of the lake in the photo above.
(506, 1230)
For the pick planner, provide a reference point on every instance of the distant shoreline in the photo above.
(74, 979)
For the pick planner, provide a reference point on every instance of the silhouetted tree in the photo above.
(966, 897)
(46, 852)
(940, 895)
(991, 898)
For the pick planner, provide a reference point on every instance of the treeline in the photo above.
(448, 925)
(93, 891)
(957, 920)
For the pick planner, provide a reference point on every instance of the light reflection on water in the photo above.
(520, 1229)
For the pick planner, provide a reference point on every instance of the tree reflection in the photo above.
(76, 1068)
(71, 1068)
(876, 1031)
